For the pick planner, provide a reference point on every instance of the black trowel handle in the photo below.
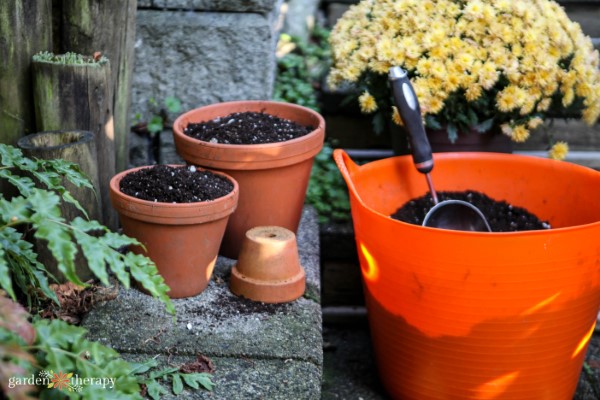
(408, 107)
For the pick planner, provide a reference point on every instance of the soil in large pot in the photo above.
(501, 215)
(166, 184)
(247, 128)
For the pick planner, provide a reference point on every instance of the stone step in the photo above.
(260, 350)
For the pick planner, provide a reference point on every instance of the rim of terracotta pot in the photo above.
(173, 213)
(251, 156)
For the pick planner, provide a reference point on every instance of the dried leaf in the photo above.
(202, 364)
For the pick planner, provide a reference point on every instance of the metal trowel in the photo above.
(449, 214)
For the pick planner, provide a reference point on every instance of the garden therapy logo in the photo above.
(65, 381)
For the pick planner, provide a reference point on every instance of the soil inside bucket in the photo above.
(502, 216)
(247, 128)
(166, 184)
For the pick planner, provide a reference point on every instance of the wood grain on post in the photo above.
(108, 27)
(77, 96)
(78, 147)
(25, 29)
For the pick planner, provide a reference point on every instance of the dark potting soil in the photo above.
(502, 216)
(165, 184)
(247, 128)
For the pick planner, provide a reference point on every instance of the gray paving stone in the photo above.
(282, 342)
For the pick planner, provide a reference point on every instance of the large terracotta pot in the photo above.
(182, 239)
(473, 315)
(273, 177)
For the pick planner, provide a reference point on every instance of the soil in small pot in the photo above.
(501, 216)
(247, 128)
(166, 184)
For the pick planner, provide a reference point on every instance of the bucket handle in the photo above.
(347, 168)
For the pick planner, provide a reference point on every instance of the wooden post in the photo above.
(72, 92)
(107, 26)
(25, 29)
(78, 147)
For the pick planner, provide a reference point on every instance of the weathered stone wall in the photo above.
(204, 51)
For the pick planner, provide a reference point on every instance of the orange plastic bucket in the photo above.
(469, 315)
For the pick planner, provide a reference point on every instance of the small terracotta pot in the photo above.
(182, 239)
(273, 177)
(268, 268)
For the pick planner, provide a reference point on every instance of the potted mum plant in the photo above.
(485, 72)
(268, 147)
(178, 214)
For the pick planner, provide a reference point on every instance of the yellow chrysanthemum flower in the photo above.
(559, 151)
(508, 54)
(367, 103)
(520, 134)
(396, 118)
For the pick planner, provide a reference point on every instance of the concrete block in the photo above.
(258, 6)
(203, 57)
(271, 351)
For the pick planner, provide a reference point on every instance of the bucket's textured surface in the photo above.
(464, 315)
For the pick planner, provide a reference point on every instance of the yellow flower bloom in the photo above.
(534, 122)
(558, 151)
(520, 134)
(396, 118)
(367, 103)
(462, 51)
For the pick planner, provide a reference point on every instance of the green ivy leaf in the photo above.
(22, 183)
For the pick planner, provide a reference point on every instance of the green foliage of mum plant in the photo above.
(38, 210)
(326, 190)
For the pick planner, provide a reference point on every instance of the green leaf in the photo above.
(432, 122)
(71, 171)
(94, 250)
(145, 272)
(22, 183)
(68, 197)
(452, 133)
(173, 104)
(200, 378)
(40, 274)
(155, 125)
(60, 245)
(484, 126)
(155, 390)
(140, 368)
(5, 279)
(177, 384)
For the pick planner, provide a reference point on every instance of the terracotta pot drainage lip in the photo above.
(268, 268)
